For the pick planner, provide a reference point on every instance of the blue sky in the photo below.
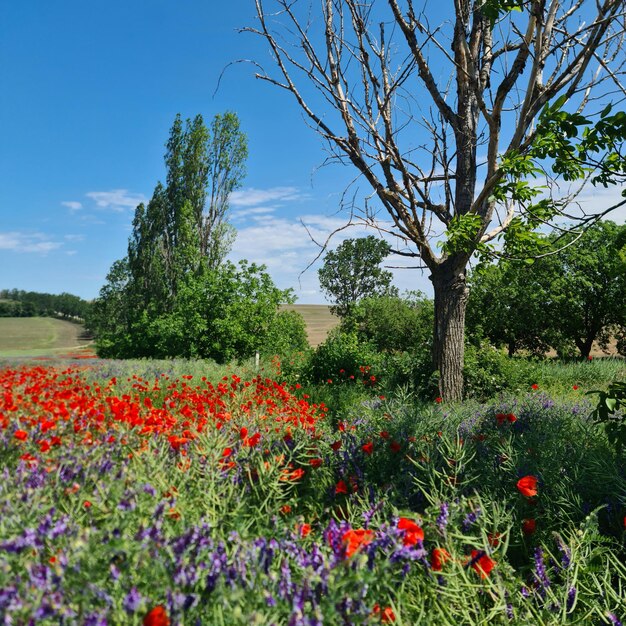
(89, 92)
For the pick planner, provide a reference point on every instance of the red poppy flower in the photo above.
(387, 616)
(354, 539)
(500, 417)
(527, 486)
(315, 463)
(395, 447)
(529, 526)
(336, 445)
(368, 447)
(22, 435)
(511, 417)
(156, 617)
(341, 487)
(534, 386)
(384, 434)
(438, 399)
(481, 563)
(303, 529)
(574, 387)
(439, 558)
(285, 509)
(412, 532)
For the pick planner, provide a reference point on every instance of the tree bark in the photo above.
(451, 294)
(584, 346)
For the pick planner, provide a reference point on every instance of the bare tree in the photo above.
(424, 103)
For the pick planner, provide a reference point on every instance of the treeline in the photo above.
(19, 303)
(565, 300)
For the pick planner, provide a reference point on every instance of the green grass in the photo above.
(39, 336)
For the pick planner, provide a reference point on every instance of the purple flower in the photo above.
(470, 519)
(614, 619)
(540, 571)
(132, 601)
(442, 518)
(571, 598)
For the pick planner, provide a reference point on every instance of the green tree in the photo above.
(509, 305)
(565, 300)
(286, 335)
(449, 112)
(156, 297)
(589, 288)
(240, 305)
(353, 271)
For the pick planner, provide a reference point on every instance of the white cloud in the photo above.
(252, 197)
(74, 237)
(27, 242)
(252, 212)
(116, 199)
(285, 247)
(72, 205)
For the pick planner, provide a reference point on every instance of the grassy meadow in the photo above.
(40, 336)
(182, 492)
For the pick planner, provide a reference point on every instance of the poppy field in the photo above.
(162, 497)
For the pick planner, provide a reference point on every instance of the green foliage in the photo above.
(239, 305)
(461, 234)
(342, 355)
(393, 323)
(173, 295)
(286, 335)
(610, 412)
(566, 300)
(488, 371)
(507, 305)
(352, 272)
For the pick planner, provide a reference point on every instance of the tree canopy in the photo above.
(565, 301)
(352, 272)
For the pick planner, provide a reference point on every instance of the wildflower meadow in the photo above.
(161, 497)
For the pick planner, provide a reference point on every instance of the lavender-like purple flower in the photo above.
(571, 599)
(540, 571)
(614, 619)
(470, 519)
(566, 554)
(442, 518)
(132, 601)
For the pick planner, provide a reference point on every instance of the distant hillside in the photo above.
(40, 336)
(319, 320)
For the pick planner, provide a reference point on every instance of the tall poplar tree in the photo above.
(180, 235)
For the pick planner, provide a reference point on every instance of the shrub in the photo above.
(286, 334)
(343, 355)
(393, 323)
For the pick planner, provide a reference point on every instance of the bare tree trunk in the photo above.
(451, 294)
